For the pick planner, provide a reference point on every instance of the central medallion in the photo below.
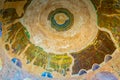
(61, 19)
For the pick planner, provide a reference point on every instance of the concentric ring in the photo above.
(83, 27)
(61, 19)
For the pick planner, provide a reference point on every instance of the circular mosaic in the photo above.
(60, 38)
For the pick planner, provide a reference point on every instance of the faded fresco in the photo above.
(60, 39)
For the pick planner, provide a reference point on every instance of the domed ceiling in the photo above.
(59, 39)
